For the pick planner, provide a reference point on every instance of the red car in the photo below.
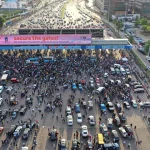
(83, 81)
(97, 80)
(14, 80)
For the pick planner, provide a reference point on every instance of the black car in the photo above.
(53, 135)
(118, 107)
(23, 92)
(11, 130)
(122, 117)
(128, 129)
(23, 110)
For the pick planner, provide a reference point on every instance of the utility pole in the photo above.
(108, 10)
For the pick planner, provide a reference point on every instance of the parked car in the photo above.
(84, 131)
(91, 120)
(128, 130)
(26, 133)
(122, 117)
(115, 136)
(1, 89)
(17, 131)
(1, 101)
(144, 104)
(79, 118)
(69, 120)
(74, 86)
(11, 130)
(110, 106)
(134, 103)
(9, 89)
(77, 108)
(53, 135)
(123, 132)
(126, 104)
(23, 110)
(23, 92)
(118, 107)
(103, 128)
(116, 121)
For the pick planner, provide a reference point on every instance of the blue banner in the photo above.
(88, 47)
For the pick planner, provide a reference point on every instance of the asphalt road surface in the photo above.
(49, 120)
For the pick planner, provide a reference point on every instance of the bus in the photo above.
(50, 59)
(4, 79)
(32, 60)
(100, 141)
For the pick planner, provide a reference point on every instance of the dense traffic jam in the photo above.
(107, 81)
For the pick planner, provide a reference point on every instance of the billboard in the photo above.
(74, 39)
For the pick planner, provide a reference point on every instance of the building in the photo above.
(102, 5)
(143, 7)
(114, 7)
(130, 6)
(117, 7)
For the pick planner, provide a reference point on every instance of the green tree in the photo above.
(146, 47)
(2, 21)
(143, 21)
(119, 25)
(144, 28)
(148, 22)
(148, 28)
(131, 40)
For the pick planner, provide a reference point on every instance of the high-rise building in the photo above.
(143, 7)
(112, 6)
(102, 5)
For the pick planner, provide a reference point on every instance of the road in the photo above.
(133, 115)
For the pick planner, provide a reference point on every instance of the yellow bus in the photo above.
(100, 140)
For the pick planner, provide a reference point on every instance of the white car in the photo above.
(110, 106)
(1, 101)
(79, 118)
(126, 104)
(9, 89)
(105, 75)
(123, 132)
(1, 89)
(91, 120)
(84, 131)
(134, 103)
(70, 120)
(68, 110)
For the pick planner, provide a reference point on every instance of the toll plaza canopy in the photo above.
(60, 41)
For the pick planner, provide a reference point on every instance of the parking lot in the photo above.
(40, 93)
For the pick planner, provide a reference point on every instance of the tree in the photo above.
(143, 21)
(2, 21)
(148, 22)
(146, 47)
(144, 28)
(119, 25)
(131, 40)
(148, 28)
